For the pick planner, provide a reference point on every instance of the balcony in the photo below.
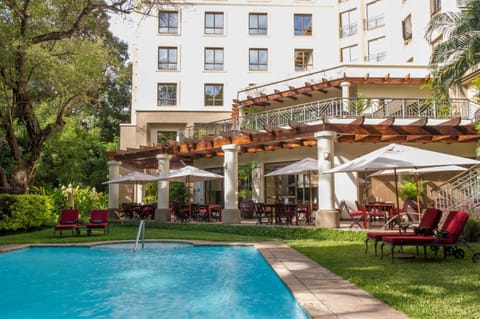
(378, 57)
(348, 30)
(340, 109)
(374, 22)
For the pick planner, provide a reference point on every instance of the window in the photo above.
(302, 24)
(350, 54)
(303, 59)
(435, 6)
(376, 50)
(407, 28)
(167, 94)
(214, 23)
(348, 25)
(213, 59)
(258, 60)
(164, 136)
(213, 94)
(375, 15)
(257, 23)
(168, 22)
(167, 58)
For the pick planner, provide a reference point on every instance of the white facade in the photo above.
(344, 32)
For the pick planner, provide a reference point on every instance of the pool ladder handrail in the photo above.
(141, 230)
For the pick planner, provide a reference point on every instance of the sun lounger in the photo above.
(447, 237)
(98, 220)
(68, 221)
(428, 224)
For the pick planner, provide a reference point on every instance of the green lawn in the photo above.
(435, 288)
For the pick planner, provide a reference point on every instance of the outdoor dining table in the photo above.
(378, 209)
(303, 214)
(214, 211)
(284, 213)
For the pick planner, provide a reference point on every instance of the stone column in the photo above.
(113, 189)
(326, 216)
(231, 213)
(139, 193)
(258, 183)
(345, 95)
(162, 213)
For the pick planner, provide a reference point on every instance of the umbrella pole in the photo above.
(397, 201)
(418, 197)
(189, 197)
(310, 188)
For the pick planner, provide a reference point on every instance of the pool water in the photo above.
(164, 280)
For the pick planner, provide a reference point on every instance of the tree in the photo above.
(53, 59)
(459, 51)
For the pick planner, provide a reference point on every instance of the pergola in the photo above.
(298, 135)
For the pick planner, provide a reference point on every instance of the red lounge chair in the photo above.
(68, 221)
(98, 219)
(447, 237)
(427, 225)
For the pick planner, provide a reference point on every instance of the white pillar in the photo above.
(345, 95)
(258, 183)
(162, 212)
(113, 189)
(231, 213)
(139, 193)
(326, 216)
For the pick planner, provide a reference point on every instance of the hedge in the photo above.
(25, 212)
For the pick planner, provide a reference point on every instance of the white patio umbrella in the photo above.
(395, 156)
(187, 175)
(302, 167)
(417, 172)
(133, 178)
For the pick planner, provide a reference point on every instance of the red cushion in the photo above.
(408, 240)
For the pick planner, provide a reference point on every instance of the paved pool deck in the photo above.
(323, 294)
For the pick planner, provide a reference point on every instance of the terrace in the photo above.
(341, 110)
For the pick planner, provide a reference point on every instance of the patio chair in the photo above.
(68, 221)
(428, 224)
(357, 216)
(216, 213)
(98, 220)
(263, 213)
(181, 212)
(447, 237)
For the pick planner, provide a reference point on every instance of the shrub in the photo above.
(471, 232)
(84, 199)
(25, 212)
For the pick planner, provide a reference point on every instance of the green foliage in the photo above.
(178, 192)
(245, 180)
(459, 51)
(85, 199)
(59, 66)
(25, 212)
(471, 232)
(408, 188)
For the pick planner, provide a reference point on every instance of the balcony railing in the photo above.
(340, 108)
(348, 30)
(377, 57)
(374, 22)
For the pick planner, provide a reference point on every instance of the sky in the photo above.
(122, 27)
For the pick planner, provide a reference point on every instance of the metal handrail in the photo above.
(141, 230)
(459, 192)
(338, 108)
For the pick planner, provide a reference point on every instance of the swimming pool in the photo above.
(164, 280)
